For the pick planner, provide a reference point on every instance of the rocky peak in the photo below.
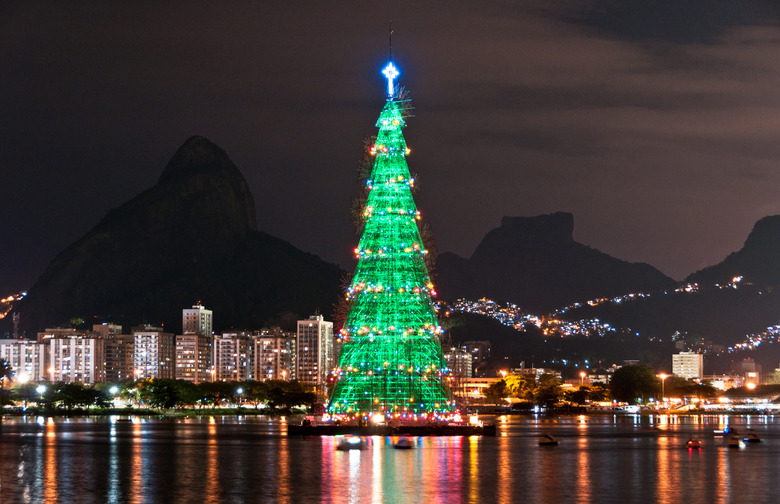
(554, 227)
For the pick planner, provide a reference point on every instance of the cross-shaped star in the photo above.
(390, 72)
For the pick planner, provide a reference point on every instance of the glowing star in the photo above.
(390, 72)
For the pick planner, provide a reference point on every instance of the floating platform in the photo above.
(396, 430)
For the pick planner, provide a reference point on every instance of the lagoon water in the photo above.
(601, 459)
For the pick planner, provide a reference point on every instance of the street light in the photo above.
(239, 391)
(41, 389)
(582, 377)
(663, 376)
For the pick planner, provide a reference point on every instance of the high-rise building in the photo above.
(75, 358)
(480, 353)
(459, 361)
(194, 357)
(315, 356)
(231, 357)
(689, 365)
(119, 357)
(153, 353)
(272, 356)
(197, 320)
(107, 330)
(28, 359)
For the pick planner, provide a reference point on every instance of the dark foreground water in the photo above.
(250, 459)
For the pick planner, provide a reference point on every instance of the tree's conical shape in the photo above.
(391, 360)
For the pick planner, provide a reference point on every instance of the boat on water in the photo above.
(403, 444)
(726, 431)
(751, 437)
(548, 440)
(351, 443)
(735, 442)
(693, 443)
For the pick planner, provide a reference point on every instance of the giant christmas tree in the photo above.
(391, 361)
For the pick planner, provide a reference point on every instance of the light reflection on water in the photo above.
(251, 459)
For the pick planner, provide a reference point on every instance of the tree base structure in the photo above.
(385, 430)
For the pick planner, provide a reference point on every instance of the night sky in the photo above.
(657, 123)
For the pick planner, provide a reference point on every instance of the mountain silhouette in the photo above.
(191, 237)
(535, 263)
(757, 260)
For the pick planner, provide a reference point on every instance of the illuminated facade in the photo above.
(315, 353)
(153, 353)
(75, 359)
(28, 359)
(197, 320)
(120, 355)
(193, 357)
(273, 355)
(688, 365)
(391, 360)
(231, 357)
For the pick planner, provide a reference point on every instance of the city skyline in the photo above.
(654, 126)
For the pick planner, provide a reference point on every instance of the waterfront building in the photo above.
(474, 389)
(107, 330)
(272, 356)
(688, 365)
(194, 355)
(28, 359)
(459, 361)
(153, 353)
(480, 353)
(197, 320)
(75, 358)
(535, 373)
(231, 357)
(119, 357)
(58, 332)
(314, 343)
(724, 382)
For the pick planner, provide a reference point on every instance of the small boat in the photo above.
(726, 431)
(548, 440)
(751, 437)
(403, 444)
(693, 443)
(351, 443)
(736, 442)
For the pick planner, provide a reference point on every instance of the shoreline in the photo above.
(237, 412)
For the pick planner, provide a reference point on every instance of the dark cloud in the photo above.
(671, 21)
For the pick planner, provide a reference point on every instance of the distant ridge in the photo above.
(535, 263)
(758, 261)
(192, 237)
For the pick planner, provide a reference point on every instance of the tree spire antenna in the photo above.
(390, 39)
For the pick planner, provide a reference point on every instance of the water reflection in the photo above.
(212, 492)
(604, 459)
(582, 474)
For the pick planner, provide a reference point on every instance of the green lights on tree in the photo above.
(391, 361)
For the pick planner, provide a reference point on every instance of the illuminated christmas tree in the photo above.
(391, 361)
